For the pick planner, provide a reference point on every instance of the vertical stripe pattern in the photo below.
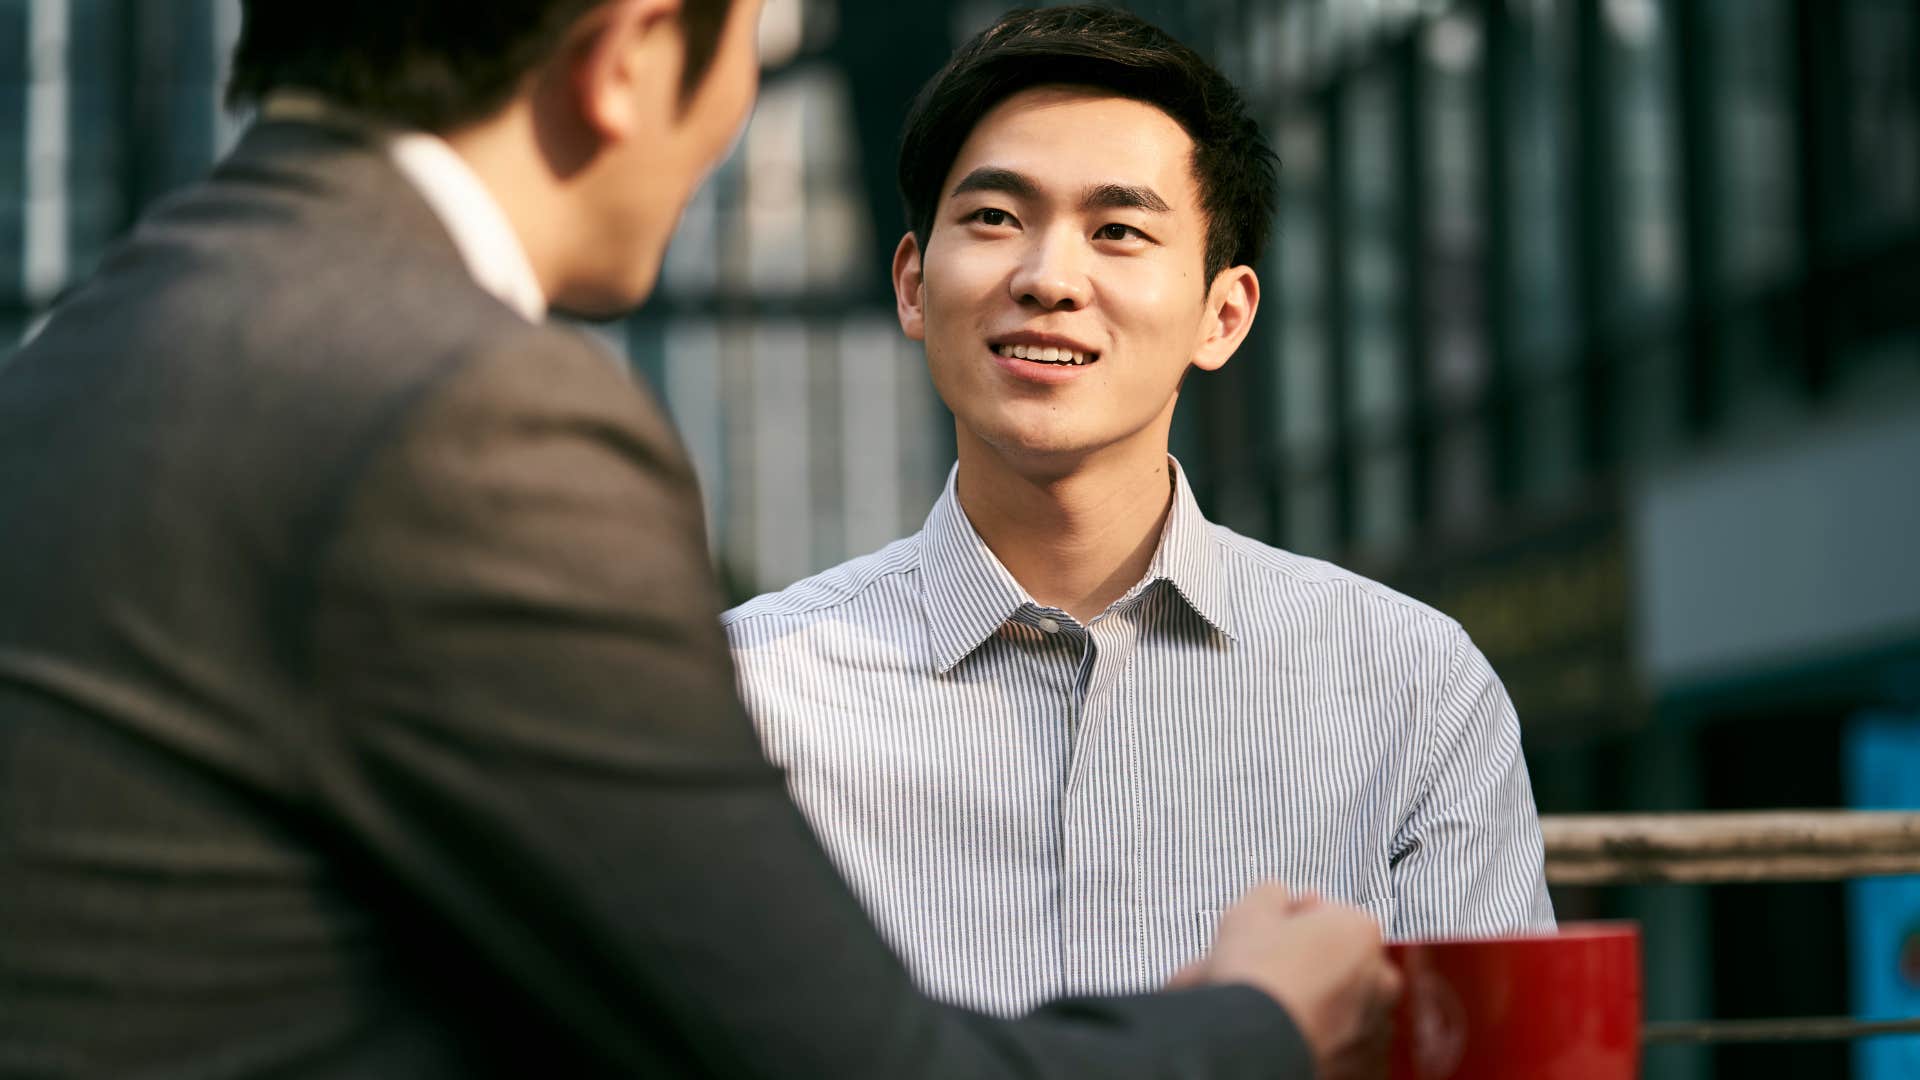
(1031, 807)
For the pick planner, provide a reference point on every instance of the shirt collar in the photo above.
(1190, 558)
(969, 594)
(492, 251)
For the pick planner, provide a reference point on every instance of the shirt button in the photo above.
(1049, 626)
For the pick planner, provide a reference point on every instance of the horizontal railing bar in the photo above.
(1795, 1029)
(1729, 870)
(1803, 845)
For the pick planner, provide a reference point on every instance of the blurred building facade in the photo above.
(1595, 323)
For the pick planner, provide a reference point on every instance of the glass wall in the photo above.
(110, 104)
(1453, 266)
(1305, 405)
(1644, 258)
(1526, 248)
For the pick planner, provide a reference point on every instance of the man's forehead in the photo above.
(1068, 140)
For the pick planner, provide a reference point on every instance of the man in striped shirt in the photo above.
(1051, 736)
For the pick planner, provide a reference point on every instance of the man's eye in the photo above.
(1117, 232)
(990, 216)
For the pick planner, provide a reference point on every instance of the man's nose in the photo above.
(1053, 274)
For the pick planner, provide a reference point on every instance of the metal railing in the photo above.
(1731, 848)
(1800, 845)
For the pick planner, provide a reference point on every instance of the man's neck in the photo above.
(1076, 540)
(498, 151)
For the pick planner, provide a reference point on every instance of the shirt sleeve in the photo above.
(529, 729)
(1468, 858)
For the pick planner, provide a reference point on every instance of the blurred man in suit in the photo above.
(363, 709)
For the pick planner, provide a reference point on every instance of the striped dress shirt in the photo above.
(1030, 807)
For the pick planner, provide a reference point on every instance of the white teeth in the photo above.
(1046, 355)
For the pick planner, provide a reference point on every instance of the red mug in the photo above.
(1561, 1006)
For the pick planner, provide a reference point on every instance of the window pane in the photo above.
(1373, 287)
(1384, 518)
(1549, 430)
(786, 213)
(1310, 521)
(1646, 177)
(871, 370)
(782, 488)
(1882, 127)
(44, 241)
(1539, 113)
(1462, 478)
(692, 389)
(1765, 393)
(1652, 402)
(1753, 98)
(1455, 252)
(838, 225)
(775, 219)
(14, 95)
(695, 259)
(95, 168)
(1304, 407)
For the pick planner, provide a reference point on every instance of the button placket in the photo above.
(1100, 876)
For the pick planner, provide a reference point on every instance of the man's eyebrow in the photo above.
(1097, 197)
(1123, 197)
(991, 178)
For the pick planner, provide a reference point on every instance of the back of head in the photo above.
(1112, 50)
(428, 64)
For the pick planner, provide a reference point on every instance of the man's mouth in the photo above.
(1046, 354)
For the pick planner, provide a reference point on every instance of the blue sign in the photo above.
(1883, 914)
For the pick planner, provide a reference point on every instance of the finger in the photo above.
(1189, 976)
(1305, 902)
(1392, 983)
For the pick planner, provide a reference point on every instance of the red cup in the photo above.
(1562, 1006)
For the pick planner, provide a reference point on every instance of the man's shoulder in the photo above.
(1276, 584)
(338, 279)
(862, 583)
(255, 302)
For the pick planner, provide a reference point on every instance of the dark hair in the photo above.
(1088, 45)
(429, 64)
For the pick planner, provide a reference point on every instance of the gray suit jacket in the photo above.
(364, 710)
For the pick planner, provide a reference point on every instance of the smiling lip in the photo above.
(1042, 358)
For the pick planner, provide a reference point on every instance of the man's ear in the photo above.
(1231, 302)
(625, 60)
(909, 288)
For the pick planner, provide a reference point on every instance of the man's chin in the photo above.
(1054, 450)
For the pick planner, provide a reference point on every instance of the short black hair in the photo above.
(1113, 50)
(428, 64)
